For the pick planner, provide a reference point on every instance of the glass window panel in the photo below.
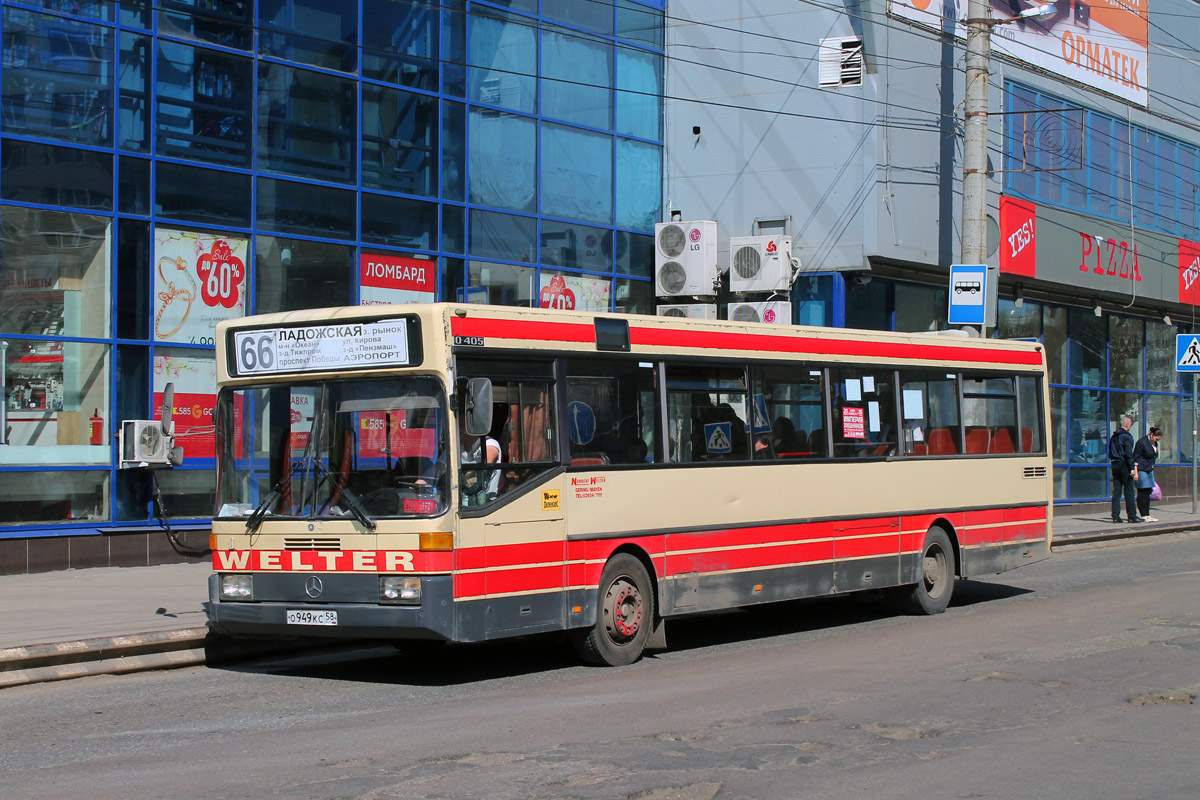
(1186, 421)
(1030, 399)
(503, 236)
(635, 297)
(454, 281)
(203, 103)
(812, 300)
(1019, 146)
(52, 392)
(1162, 411)
(503, 61)
(306, 208)
(1166, 165)
(1126, 403)
(636, 23)
(202, 195)
(134, 186)
(1189, 177)
(707, 410)
(576, 170)
(920, 308)
(1125, 352)
(929, 413)
(1019, 322)
(454, 48)
(576, 83)
(1122, 194)
(58, 176)
(306, 123)
(499, 284)
(1089, 483)
(639, 93)
(1054, 321)
(634, 252)
(135, 13)
(864, 413)
(592, 15)
(791, 423)
(400, 42)
(639, 185)
(96, 9)
(291, 274)
(1087, 440)
(133, 118)
(454, 225)
(1100, 159)
(1060, 483)
(187, 493)
(524, 6)
(1049, 147)
(989, 415)
(399, 141)
(193, 374)
(228, 23)
(318, 32)
(1145, 176)
(399, 221)
(503, 153)
(566, 245)
(868, 305)
(1087, 345)
(611, 412)
(57, 77)
(1058, 428)
(454, 154)
(56, 274)
(1161, 375)
(37, 498)
(134, 254)
(199, 279)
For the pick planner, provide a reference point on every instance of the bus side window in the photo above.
(707, 413)
(611, 412)
(789, 411)
(864, 412)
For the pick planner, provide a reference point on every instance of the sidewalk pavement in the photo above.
(67, 624)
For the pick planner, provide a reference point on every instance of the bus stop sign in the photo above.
(972, 295)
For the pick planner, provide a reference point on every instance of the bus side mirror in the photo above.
(477, 407)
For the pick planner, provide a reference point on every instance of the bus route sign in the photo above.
(311, 348)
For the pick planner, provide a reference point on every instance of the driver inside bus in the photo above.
(478, 487)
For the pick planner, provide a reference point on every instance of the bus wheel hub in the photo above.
(625, 608)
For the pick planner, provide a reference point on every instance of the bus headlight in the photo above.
(237, 587)
(397, 589)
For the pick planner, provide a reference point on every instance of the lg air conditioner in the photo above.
(760, 263)
(685, 259)
(690, 310)
(144, 443)
(774, 312)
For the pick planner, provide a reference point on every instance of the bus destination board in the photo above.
(319, 348)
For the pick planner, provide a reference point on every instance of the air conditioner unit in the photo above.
(760, 263)
(143, 443)
(774, 312)
(691, 311)
(685, 259)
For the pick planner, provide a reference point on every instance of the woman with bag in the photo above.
(1145, 453)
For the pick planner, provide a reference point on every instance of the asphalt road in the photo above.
(1071, 678)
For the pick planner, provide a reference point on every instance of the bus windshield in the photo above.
(363, 449)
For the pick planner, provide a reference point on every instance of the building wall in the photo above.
(168, 165)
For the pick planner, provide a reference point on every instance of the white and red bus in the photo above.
(457, 473)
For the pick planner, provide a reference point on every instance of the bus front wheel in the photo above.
(935, 577)
(624, 615)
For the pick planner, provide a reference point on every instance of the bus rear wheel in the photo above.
(624, 615)
(935, 578)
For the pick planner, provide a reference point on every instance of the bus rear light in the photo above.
(435, 540)
(397, 589)
(237, 587)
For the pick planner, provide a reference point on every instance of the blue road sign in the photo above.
(581, 422)
(968, 294)
(1187, 352)
(718, 437)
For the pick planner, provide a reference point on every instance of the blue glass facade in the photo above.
(168, 165)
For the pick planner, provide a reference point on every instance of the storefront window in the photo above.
(204, 196)
(1019, 322)
(1087, 348)
(577, 78)
(60, 176)
(503, 160)
(639, 92)
(1058, 424)
(36, 498)
(193, 374)
(293, 274)
(594, 15)
(203, 104)
(500, 284)
(503, 236)
(635, 297)
(228, 23)
(1126, 403)
(187, 493)
(133, 119)
(639, 185)
(306, 208)
(566, 245)
(1161, 375)
(55, 278)
(1162, 412)
(400, 42)
(1125, 350)
(867, 304)
(634, 252)
(920, 308)
(568, 292)
(1087, 437)
(503, 59)
(399, 221)
(318, 32)
(56, 402)
(812, 299)
(1089, 482)
(399, 141)
(1054, 323)
(307, 123)
(576, 173)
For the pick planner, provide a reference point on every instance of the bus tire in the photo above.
(624, 615)
(931, 593)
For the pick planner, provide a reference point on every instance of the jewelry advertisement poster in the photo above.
(199, 280)
(194, 373)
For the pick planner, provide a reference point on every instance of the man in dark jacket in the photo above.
(1124, 471)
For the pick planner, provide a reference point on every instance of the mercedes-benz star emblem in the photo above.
(313, 587)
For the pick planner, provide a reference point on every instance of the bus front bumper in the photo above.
(353, 599)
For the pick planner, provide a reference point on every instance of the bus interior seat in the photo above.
(920, 449)
(977, 441)
(1026, 440)
(941, 442)
(1002, 441)
(589, 460)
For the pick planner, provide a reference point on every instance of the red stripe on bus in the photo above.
(531, 330)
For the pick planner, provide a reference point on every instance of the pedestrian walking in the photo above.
(1145, 453)
(1124, 470)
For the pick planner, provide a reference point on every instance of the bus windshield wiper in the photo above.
(343, 494)
(260, 511)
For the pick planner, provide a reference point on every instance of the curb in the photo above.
(1123, 532)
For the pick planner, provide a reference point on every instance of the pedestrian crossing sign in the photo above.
(1187, 352)
(718, 437)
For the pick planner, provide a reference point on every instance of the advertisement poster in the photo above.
(199, 280)
(574, 292)
(195, 380)
(1099, 43)
(388, 433)
(396, 279)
